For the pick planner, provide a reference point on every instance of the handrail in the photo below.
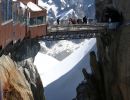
(76, 27)
(89, 24)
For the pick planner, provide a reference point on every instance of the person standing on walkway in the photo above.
(58, 21)
(85, 20)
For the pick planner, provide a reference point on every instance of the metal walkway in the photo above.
(75, 31)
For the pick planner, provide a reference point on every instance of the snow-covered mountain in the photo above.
(61, 77)
(54, 54)
(68, 8)
(60, 49)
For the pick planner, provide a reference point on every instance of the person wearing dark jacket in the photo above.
(58, 21)
(84, 19)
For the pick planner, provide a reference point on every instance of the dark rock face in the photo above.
(112, 14)
(114, 54)
(123, 7)
(114, 59)
(107, 54)
(100, 5)
(27, 49)
(26, 84)
(111, 73)
(123, 63)
(92, 87)
(110, 78)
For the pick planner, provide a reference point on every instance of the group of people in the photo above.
(74, 21)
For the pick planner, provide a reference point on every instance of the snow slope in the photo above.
(44, 63)
(60, 79)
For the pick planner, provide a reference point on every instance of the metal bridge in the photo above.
(75, 31)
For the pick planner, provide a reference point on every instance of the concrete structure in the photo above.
(28, 21)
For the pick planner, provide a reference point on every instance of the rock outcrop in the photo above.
(91, 88)
(114, 60)
(114, 54)
(13, 82)
(111, 73)
(19, 77)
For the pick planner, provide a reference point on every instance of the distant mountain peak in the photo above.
(68, 8)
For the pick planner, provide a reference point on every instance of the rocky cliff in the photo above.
(114, 62)
(111, 68)
(19, 79)
(114, 54)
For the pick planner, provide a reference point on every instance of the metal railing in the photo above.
(77, 27)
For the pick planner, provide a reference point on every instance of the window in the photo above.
(15, 13)
(38, 20)
(44, 19)
(22, 19)
(6, 10)
(33, 21)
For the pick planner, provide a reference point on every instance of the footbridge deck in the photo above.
(75, 31)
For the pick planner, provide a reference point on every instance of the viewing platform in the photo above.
(75, 31)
